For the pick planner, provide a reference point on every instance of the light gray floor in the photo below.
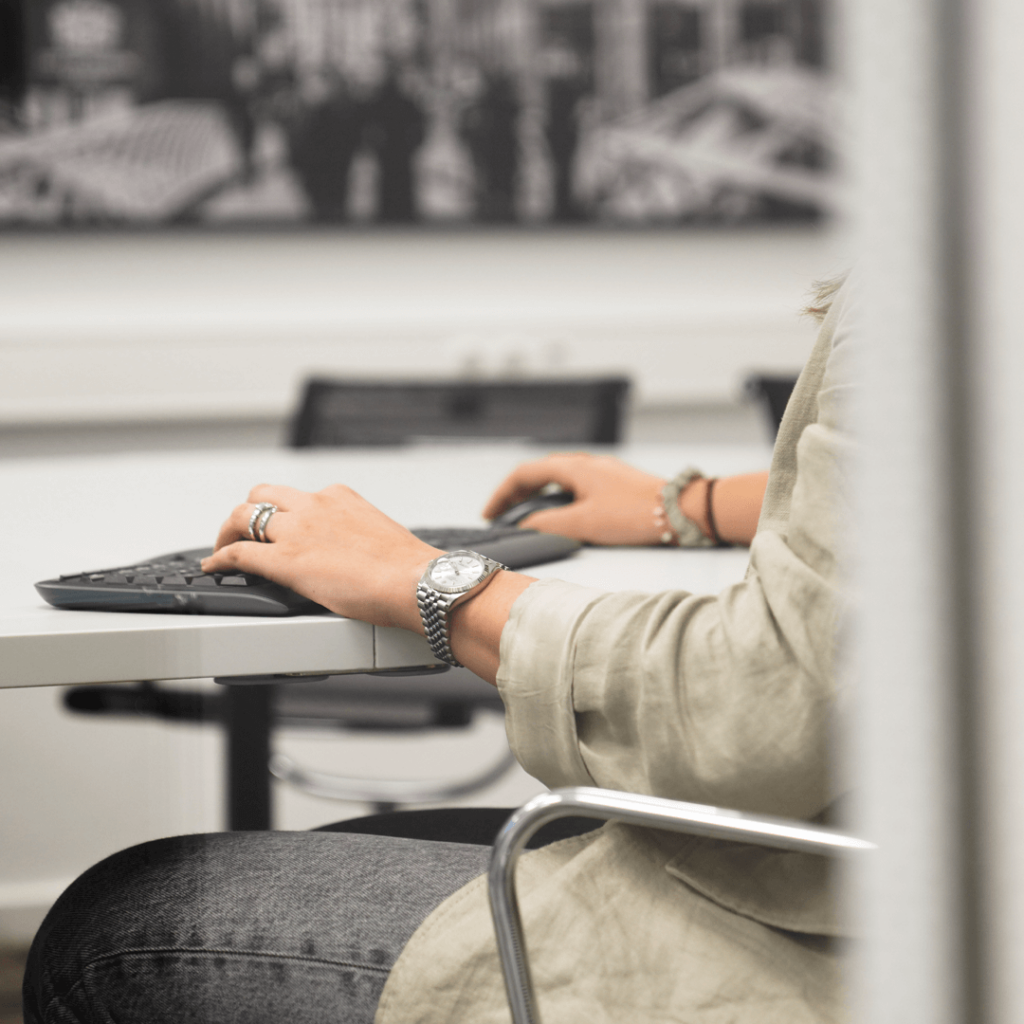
(726, 422)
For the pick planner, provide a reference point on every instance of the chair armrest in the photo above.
(634, 809)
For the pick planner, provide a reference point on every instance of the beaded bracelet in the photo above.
(669, 519)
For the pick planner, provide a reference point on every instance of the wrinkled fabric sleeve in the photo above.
(721, 699)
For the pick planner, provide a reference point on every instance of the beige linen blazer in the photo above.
(727, 700)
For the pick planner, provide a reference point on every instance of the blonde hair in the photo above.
(823, 294)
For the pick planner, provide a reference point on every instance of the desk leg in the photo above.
(248, 721)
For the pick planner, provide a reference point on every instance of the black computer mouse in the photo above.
(535, 503)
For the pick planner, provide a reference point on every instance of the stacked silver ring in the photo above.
(258, 521)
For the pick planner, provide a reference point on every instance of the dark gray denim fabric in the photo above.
(233, 927)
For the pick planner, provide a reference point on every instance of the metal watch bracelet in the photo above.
(434, 612)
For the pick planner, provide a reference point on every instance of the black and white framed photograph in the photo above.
(362, 112)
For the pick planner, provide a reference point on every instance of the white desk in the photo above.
(63, 515)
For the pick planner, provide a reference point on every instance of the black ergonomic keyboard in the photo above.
(176, 583)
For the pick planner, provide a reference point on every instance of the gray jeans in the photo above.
(252, 927)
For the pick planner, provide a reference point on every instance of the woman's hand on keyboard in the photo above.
(332, 546)
(336, 548)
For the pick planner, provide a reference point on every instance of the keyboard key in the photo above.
(116, 577)
(145, 581)
(204, 581)
(234, 581)
(174, 581)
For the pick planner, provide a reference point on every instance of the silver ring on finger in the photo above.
(261, 524)
(260, 508)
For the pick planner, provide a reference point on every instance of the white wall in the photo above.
(177, 326)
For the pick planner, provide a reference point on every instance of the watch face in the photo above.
(457, 571)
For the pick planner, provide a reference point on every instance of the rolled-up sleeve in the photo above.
(723, 699)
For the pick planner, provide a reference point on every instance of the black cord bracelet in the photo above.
(710, 515)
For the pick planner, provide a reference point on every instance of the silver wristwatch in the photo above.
(448, 581)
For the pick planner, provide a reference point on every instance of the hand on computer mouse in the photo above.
(612, 503)
(539, 502)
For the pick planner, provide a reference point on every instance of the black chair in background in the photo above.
(335, 413)
(545, 411)
(772, 392)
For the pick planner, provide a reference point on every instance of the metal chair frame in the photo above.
(634, 809)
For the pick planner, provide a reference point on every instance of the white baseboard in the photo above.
(23, 905)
